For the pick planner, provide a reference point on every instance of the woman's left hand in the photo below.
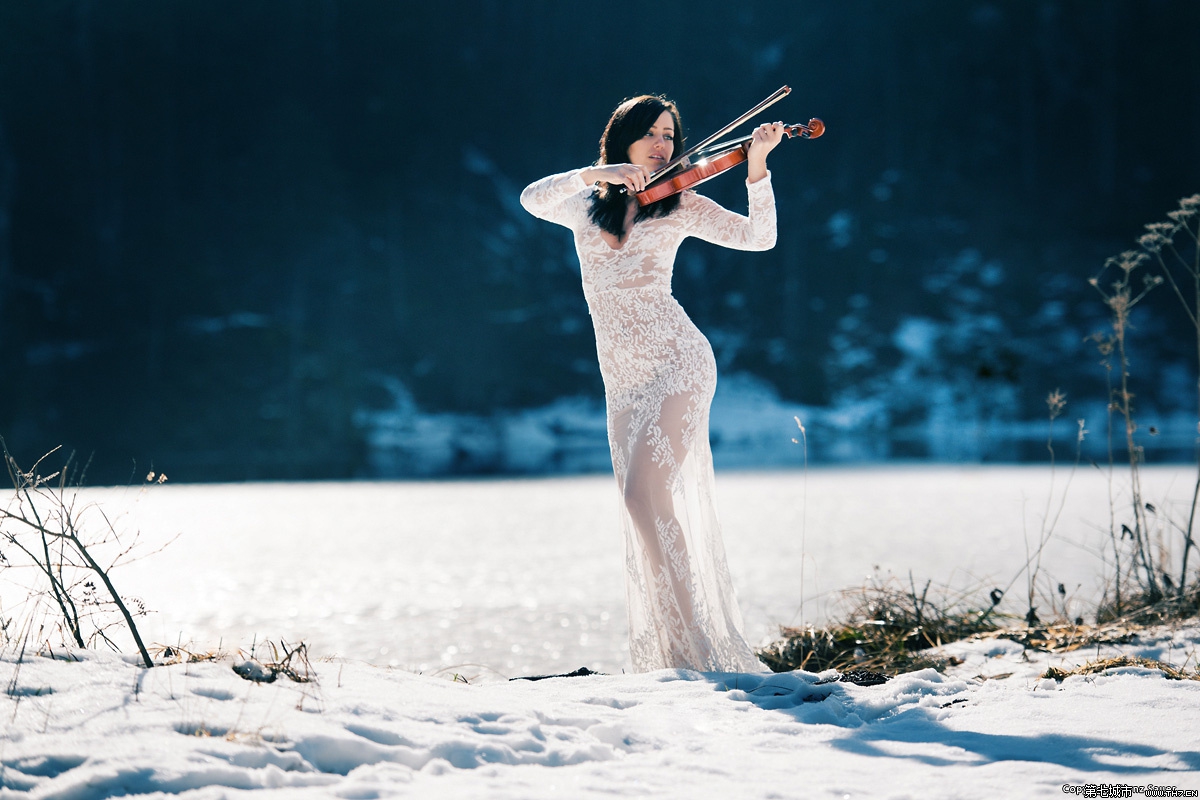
(763, 141)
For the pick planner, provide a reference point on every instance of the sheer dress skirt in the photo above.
(659, 378)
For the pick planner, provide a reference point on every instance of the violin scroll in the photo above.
(812, 130)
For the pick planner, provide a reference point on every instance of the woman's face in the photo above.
(655, 148)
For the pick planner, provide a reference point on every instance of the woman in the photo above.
(659, 377)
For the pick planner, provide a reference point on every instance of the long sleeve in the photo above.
(711, 222)
(558, 198)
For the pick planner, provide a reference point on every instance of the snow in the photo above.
(404, 589)
(103, 726)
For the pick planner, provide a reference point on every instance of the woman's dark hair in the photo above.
(627, 124)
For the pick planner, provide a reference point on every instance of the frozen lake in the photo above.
(525, 576)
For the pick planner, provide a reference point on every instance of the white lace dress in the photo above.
(659, 378)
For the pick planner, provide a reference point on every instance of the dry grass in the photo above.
(290, 661)
(1101, 665)
(1065, 637)
(1145, 610)
(164, 654)
(888, 629)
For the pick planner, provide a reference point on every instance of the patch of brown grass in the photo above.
(888, 629)
(1065, 637)
(164, 654)
(1103, 664)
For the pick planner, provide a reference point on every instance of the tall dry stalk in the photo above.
(1165, 237)
(1121, 295)
(1056, 402)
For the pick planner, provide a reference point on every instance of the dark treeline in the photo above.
(228, 229)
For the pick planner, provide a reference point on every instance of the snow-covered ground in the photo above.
(103, 727)
(399, 587)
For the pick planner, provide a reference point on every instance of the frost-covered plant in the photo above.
(42, 528)
(1175, 246)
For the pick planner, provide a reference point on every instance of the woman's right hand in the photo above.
(632, 176)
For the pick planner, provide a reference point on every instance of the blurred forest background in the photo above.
(281, 240)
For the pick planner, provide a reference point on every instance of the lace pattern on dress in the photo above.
(659, 379)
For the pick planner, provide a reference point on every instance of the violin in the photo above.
(715, 160)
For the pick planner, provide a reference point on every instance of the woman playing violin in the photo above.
(659, 376)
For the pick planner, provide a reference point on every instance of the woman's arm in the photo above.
(557, 198)
(633, 176)
(712, 223)
(706, 219)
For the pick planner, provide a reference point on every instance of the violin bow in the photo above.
(682, 158)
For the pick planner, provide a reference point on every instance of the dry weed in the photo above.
(888, 629)
(1101, 665)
